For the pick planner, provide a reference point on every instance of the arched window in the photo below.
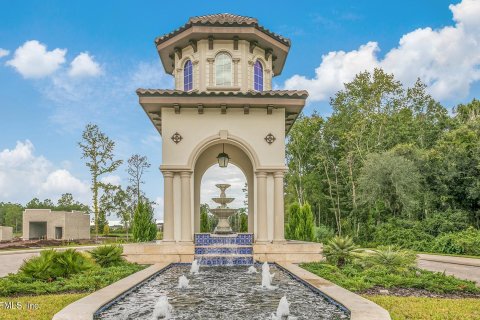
(223, 69)
(258, 76)
(188, 76)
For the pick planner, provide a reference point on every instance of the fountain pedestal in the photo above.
(222, 212)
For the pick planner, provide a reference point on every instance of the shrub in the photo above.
(403, 233)
(70, 262)
(357, 278)
(323, 233)
(106, 230)
(52, 264)
(464, 242)
(144, 228)
(300, 224)
(89, 280)
(340, 250)
(40, 267)
(106, 256)
(394, 260)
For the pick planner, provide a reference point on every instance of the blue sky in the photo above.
(66, 63)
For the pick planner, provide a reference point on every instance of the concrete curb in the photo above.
(472, 262)
(84, 308)
(359, 307)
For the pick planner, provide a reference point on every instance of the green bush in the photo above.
(107, 256)
(87, 281)
(404, 233)
(463, 242)
(52, 264)
(340, 250)
(355, 277)
(394, 260)
(300, 224)
(144, 228)
(323, 233)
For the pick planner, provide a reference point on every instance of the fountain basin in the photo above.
(222, 293)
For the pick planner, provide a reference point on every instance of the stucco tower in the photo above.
(223, 101)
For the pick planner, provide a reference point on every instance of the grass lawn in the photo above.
(415, 308)
(47, 305)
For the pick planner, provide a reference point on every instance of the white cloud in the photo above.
(32, 60)
(158, 208)
(61, 181)
(447, 59)
(4, 53)
(231, 175)
(112, 179)
(24, 175)
(84, 66)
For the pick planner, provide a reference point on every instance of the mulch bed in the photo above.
(412, 292)
(20, 244)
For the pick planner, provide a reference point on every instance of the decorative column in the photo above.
(210, 71)
(235, 71)
(278, 208)
(262, 235)
(186, 234)
(168, 220)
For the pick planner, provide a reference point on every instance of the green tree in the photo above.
(300, 223)
(97, 150)
(137, 166)
(204, 221)
(11, 215)
(68, 203)
(144, 228)
(390, 184)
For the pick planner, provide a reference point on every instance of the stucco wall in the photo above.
(6, 233)
(252, 128)
(203, 80)
(75, 225)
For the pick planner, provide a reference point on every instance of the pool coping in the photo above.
(359, 307)
(356, 306)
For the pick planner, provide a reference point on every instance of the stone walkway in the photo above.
(463, 268)
(10, 261)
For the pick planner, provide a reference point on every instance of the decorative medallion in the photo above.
(177, 137)
(270, 138)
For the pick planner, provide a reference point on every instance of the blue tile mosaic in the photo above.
(230, 250)
(225, 261)
(207, 239)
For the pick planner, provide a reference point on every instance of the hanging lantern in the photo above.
(223, 158)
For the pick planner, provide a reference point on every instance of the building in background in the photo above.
(60, 225)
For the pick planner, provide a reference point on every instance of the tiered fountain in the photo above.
(223, 212)
(223, 247)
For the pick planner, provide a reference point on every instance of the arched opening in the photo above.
(242, 163)
(238, 190)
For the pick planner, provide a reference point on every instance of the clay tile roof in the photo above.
(222, 19)
(268, 93)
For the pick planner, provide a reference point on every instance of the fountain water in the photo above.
(183, 282)
(252, 269)
(223, 212)
(267, 277)
(163, 309)
(283, 309)
(195, 268)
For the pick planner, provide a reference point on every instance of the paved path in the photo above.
(463, 268)
(10, 261)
